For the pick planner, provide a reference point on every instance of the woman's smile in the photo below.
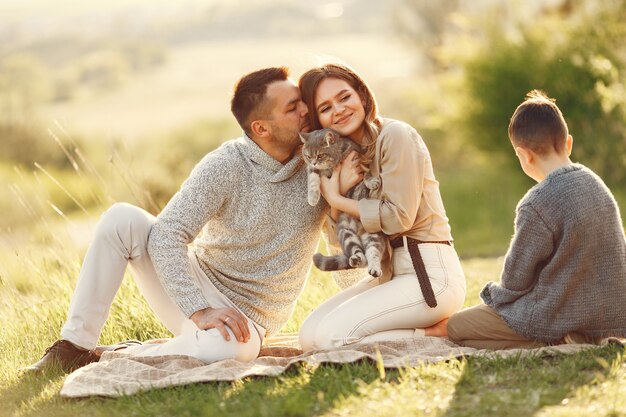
(343, 120)
(340, 107)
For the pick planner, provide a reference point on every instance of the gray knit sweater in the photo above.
(249, 224)
(565, 269)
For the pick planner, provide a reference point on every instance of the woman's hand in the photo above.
(351, 173)
(333, 190)
(345, 175)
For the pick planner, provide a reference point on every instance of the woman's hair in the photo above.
(310, 81)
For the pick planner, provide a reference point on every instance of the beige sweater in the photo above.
(408, 202)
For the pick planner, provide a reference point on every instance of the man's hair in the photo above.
(538, 124)
(248, 101)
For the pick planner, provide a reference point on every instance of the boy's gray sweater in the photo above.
(565, 269)
(252, 231)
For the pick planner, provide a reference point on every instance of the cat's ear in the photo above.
(329, 138)
(304, 136)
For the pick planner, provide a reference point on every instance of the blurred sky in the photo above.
(208, 45)
(205, 46)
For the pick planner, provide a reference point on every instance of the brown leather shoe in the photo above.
(65, 355)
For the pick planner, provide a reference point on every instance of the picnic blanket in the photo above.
(118, 373)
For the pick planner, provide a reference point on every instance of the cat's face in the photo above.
(322, 148)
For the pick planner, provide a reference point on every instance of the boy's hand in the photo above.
(219, 318)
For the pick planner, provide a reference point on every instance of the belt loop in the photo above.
(405, 243)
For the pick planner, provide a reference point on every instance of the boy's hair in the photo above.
(538, 124)
(248, 101)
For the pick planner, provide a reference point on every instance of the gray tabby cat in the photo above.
(322, 150)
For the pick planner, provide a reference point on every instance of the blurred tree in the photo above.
(103, 70)
(24, 84)
(425, 23)
(573, 58)
(575, 50)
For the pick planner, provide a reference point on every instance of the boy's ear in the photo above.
(527, 155)
(569, 143)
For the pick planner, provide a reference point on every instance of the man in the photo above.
(250, 231)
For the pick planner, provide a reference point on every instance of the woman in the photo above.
(407, 207)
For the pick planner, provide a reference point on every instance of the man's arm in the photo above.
(199, 198)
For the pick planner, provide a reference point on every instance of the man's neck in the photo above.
(279, 153)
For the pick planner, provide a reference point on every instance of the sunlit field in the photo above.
(36, 295)
(117, 102)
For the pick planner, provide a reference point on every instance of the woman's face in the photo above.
(339, 107)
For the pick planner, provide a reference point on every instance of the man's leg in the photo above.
(120, 239)
(481, 327)
(207, 345)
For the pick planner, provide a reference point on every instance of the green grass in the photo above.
(39, 264)
(36, 285)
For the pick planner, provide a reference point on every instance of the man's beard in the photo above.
(286, 138)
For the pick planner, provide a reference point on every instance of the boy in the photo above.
(564, 276)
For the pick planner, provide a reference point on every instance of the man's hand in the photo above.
(219, 318)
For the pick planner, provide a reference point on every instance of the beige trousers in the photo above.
(120, 240)
(371, 311)
(481, 327)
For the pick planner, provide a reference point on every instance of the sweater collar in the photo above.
(281, 172)
(564, 170)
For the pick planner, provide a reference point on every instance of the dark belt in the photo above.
(418, 265)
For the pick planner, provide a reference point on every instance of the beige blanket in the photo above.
(120, 374)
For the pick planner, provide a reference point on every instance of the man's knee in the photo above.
(212, 347)
(123, 212)
(123, 215)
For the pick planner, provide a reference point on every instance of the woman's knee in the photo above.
(306, 336)
(328, 334)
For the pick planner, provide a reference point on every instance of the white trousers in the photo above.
(120, 240)
(370, 311)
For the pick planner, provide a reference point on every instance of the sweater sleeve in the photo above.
(198, 199)
(402, 166)
(531, 246)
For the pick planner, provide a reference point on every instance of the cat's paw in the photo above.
(357, 260)
(375, 271)
(313, 199)
(372, 183)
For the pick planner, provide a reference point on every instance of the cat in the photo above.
(322, 150)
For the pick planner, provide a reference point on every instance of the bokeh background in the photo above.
(117, 100)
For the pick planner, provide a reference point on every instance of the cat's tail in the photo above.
(331, 263)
